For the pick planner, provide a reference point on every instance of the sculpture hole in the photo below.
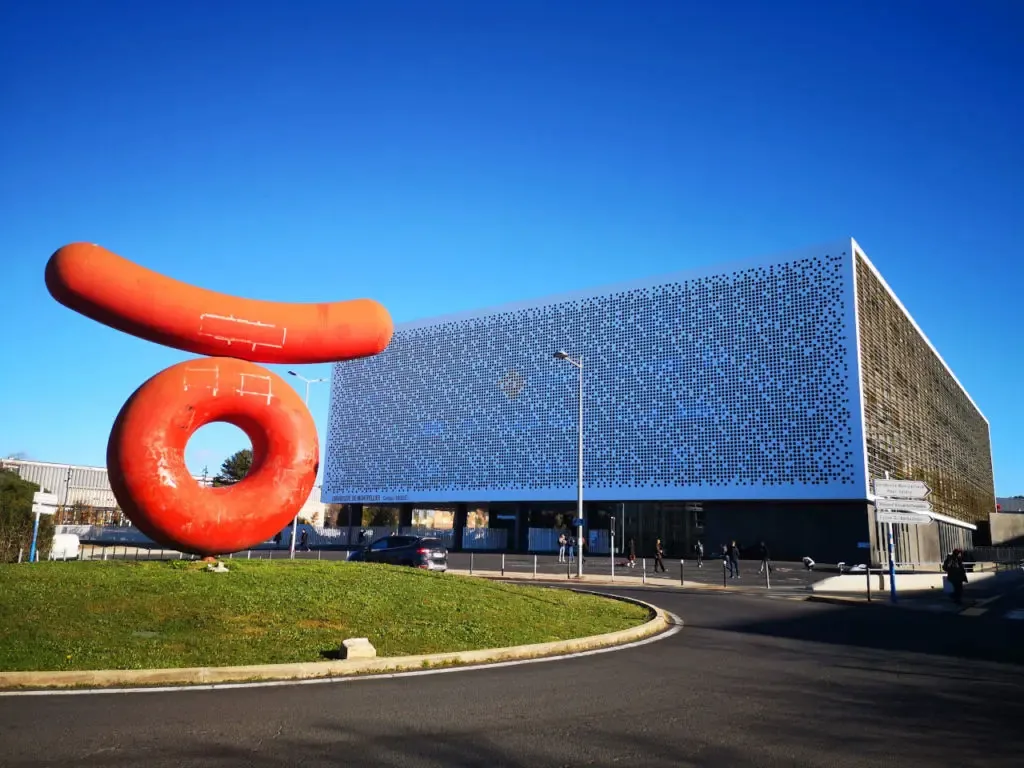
(211, 446)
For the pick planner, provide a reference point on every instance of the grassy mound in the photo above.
(137, 615)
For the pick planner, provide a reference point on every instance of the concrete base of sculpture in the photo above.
(357, 648)
(216, 568)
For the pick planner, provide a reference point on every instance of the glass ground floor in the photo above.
(828, 531)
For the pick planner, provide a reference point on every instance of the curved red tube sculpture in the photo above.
(146, 449)
(123, 295)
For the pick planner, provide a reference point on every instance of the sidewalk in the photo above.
(631, 580)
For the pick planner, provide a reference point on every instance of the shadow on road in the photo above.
(893, 629)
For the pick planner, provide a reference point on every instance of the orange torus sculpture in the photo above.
(146, 450)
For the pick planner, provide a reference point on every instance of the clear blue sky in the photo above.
(441, 156)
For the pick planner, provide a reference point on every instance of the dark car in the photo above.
(415, 551)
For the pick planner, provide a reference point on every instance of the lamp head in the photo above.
(561, 355)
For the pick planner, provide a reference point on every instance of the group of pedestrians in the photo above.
(659, 555)
(567, 549)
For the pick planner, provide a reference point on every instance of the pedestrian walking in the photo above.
(561, 548)
(734, 559)
(956, 573)
(765, 559)
(659, 556)
(631, 549)
(572, 550)
(304, 540)
(699, 549)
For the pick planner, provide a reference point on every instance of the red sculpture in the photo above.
(146, 450)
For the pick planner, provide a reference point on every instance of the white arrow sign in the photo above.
(901, 489)
(902, 518)
(903, 505)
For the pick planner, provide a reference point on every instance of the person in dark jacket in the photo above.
(956, 573)
(766, 558)
(659, 556)
(734, 559)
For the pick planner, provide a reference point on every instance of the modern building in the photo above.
(85, 491)
(750, 402)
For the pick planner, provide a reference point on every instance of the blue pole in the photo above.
(892, 566)
(35, 535)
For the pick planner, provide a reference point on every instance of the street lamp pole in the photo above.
(560, 355)
(295, 522)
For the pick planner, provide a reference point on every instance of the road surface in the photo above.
(762, 681)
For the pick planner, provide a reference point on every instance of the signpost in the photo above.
(901, 489)
(903, 505)
(42, 504)
(897, 501)
(902, 518)
(611, 532)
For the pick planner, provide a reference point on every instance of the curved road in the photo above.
(749, 681)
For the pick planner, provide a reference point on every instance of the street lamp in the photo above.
(295, 522)
(561, 355)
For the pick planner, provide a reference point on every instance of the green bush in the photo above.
(16, 519)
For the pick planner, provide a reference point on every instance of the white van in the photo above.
(66, 546)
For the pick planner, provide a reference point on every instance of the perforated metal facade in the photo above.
(737, 383)
(919, 422)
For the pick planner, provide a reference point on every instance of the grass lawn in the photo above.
(137, 615)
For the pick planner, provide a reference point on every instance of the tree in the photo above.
(234, 468)
(16, 518)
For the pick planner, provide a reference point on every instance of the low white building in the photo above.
(90, 487)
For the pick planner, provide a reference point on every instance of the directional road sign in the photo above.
(904, 518)
(902, 505)
(44, 503)
(901, 489)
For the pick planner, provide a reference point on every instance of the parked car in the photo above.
(415, 551)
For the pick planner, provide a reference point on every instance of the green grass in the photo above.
(136, 615)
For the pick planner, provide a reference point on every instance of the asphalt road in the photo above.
(749, 681)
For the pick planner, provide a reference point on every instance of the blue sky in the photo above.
(441, 156)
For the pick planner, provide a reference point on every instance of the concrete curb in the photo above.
(321, 669)
(884, 602)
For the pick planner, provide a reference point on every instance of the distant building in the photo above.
(86, 490)
(1011, 504)
(751, 402)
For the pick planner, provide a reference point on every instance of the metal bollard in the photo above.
(724, 566)
(867, 572)
(231, 556)
(248, 554)
(502, 563)
(21, 554)
(643, 565)
(318, 555)
(104, 554)
(767, 576)
(535, 566)
(681, 582)
(470, 563)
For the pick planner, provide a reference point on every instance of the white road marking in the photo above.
(673, 630)
(1017, 614)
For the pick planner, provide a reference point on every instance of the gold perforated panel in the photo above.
(919, 424)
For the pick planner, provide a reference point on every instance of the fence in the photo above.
(317, 536)
(1011, 556)
(484, 538)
